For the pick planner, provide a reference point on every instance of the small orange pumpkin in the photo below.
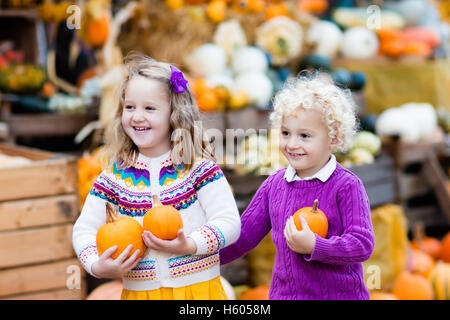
(316, 219)
(122, 232)
(409, 286)
(445, 248)
(429, 245)
(313, 6)
(276, 10)
(421, 263)
(257, 293)
(380, 295)
(97, 30)
(162, 221)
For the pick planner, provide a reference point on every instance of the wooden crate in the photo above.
(38, 207)
(415, 189)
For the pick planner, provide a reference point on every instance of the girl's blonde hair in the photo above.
(317, 91)
(188, 141)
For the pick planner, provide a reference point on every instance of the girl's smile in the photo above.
(146, 115)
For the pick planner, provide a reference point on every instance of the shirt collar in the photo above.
(323, 174)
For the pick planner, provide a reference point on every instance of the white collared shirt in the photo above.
(323, 174)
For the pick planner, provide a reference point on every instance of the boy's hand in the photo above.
(303, 241)
(180, 245)
(107, 267)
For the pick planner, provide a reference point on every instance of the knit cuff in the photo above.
(208, 239)
(319, 251)
(87, 256)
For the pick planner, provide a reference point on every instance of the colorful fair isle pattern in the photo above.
(181, 266)
(145, 270)
(86, 252)
(214, 238)
(129, 188)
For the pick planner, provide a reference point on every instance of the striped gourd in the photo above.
(440, 280)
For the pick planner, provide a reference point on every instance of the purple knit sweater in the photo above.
(334, 269)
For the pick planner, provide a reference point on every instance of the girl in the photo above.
(155, 146)
(314, 118)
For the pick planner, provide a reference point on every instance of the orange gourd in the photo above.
(97, 30)
(162, 221)
(420, 262)
(313, 6)
(445, 248)
(216, 10)
(316, 219)
(257, 293)
(121, 231)
(429, 245)
(276, 10)
(409, 286)
(417, 48)
(379, 295)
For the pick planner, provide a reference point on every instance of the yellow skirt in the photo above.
(207, 290)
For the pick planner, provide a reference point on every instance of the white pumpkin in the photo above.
(206, 60)
(394, 121)
(359, 43)
(326, 38)
(256, 85)
(249, 59)
(220, 79)
(411, 10)
(424, 116)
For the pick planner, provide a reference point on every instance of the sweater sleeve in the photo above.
(216, 198)
(92, 217)
(356, 243)
(255, 225)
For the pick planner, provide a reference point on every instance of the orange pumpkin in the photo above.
(256, 5)
(445, 248)
(111, 290)
(276, 10)
(417, 48)
(429, 245)
(216, 10)
(162, 221)
(97, 30)
(380, 295)
(313, 6)
(420, 262)
(122, 232)
(208, 100)
(409, 286)
(316, 219)
(257, 293)
(241, 6)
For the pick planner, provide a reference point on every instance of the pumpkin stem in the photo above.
(156, 200)
(315, 205)
(111, 215)
(419, 232)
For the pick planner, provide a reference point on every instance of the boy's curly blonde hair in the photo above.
(317, 91)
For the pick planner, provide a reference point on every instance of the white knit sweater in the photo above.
(206, 204)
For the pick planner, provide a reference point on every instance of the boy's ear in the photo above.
(334, 143)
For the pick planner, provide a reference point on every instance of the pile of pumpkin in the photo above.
(427, 272)
(89, 168)
(216, 10)
(217, 98)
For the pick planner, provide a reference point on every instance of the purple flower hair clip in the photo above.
(179, 83)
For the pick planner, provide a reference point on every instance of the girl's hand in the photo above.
(179, 245)
(299, 241)
(107, 267)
